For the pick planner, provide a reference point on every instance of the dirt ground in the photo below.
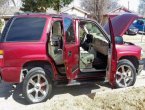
(87, 97)
(123, 99)
(132, 98)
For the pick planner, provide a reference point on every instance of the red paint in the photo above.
(112, 57)
(16, 54)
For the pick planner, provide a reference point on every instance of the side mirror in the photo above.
(119, 40)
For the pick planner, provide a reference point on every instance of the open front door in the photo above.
(112, 58)
(70, 48)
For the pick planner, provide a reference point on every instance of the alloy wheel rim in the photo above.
(124, 76)
(37, 88)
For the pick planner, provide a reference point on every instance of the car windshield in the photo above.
(132, 27)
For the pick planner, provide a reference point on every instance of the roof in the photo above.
(119, 11)
(76, 8)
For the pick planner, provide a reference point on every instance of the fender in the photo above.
(127, 53)
(45, 59)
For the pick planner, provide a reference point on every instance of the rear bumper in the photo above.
(141, 66)
(10, 74)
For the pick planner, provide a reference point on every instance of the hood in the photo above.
(121, 23)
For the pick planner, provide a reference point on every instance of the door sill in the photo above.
(92, 70)
(76, 82)
(88, 74)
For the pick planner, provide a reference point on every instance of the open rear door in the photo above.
(112, 58)
(71, 48)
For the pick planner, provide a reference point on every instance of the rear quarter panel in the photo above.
(16, 54)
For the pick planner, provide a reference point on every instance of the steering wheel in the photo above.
(87, 32)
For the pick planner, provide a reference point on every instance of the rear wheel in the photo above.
(126, 74)
(37, 86)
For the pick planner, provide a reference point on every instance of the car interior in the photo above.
(55, 46)
(93, 47)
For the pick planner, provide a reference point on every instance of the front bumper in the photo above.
(141, 66)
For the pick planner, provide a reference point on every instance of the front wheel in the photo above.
(126, 74)
(37, 86)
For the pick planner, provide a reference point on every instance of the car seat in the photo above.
(86, 59)
(87, 41)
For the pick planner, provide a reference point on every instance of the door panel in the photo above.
(112, 58)
(71, 49)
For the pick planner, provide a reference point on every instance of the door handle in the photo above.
(69, 53)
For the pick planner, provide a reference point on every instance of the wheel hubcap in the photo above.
(37, 88)
(124, 76)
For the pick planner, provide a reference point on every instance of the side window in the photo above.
(6, 29)
(25, 29)
(95, 31)
(69, 30)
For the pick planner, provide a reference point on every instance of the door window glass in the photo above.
(94, 30)
(69, 30)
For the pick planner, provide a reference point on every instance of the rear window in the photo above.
(25, 29)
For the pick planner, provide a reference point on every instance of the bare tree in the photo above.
(141, 7)
(2, 2)
(97, 8)
(14, 2)
(3, 9)
(3, 6)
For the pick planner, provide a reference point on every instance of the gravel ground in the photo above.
(80, 97)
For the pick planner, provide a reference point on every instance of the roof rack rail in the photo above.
(27, 13)
(31, 13)
(49, 14)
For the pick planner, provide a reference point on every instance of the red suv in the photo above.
(43, 50)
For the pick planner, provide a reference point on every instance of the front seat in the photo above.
(86, 59)
(86, 43)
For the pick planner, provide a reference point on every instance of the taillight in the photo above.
(1, 58)
(1, 54)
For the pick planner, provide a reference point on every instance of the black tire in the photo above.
(36, 71)
(132, 68)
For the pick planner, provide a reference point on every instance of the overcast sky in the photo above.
(133, 4)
